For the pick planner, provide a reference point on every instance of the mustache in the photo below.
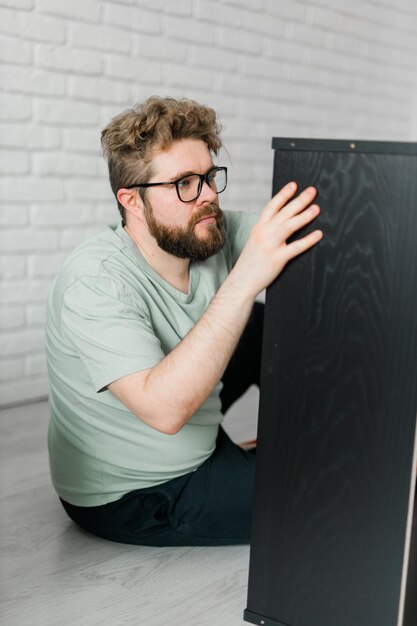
(209, 210)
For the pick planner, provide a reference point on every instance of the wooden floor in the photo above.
(54, 574)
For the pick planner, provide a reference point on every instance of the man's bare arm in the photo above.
(167, 396)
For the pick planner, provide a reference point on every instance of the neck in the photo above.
(172, 269)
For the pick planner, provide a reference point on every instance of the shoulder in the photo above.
(95, 267)
(91, 254)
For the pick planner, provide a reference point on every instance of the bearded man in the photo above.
(153, 332)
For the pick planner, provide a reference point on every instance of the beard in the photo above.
(184, 242)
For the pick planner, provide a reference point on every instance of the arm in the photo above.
(166, 396)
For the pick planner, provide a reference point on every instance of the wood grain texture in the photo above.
(339, 399)
(54, 574)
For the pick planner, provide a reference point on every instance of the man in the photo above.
(143, 320)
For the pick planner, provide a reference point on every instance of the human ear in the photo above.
(130, 200)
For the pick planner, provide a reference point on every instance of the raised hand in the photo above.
(266, 251)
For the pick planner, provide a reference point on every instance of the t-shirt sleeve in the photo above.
(238, 227)
(112, 336)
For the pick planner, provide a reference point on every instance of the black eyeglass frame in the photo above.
(203, 178)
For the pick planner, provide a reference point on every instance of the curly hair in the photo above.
(130, 139)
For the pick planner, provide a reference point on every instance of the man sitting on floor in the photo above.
(152, 334)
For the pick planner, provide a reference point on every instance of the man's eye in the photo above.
(212, 176)
(184, 183)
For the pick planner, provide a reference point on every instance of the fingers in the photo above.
(278, 201)
(301, 245)
(281, 202)
(299, 203)
(291, 225)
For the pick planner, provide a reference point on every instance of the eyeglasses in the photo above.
(189, 187)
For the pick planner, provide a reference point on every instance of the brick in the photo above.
(66, 112)
(282, 90)
(132, 69)
(87, 10)
(68, 59)
(139, 91)
(211, 11)
(109, 111)
(107, 213)
(15, 51)
(69, 238)
(262, 24)
(82, 140)
(195, 78)
(98, 37)
(11, 368)
(155, 5)
(18, 4)
(255, 152)
(146, 46)
(288, 9)
(327, 18)
(80, 189)
(254, 5)
(251, 190)
(27, 240)
(45, 264)
(30, 80)
(188, 30)
(132, 18)
(266, 109)
(29, 136)
(21, 341)
(14, 162)
(63, 214)
(33, 26)
(241, 85)
(24, 291)
(65, 164)
(179, 7)
(396, 38)
(12, 266)
(36, 314)
(15, 107)
(305, 34)
(35, 364)
(33, 388)
(221, 103)
(247, 171)
(268, 68)
(213, 58)
(286, 50)
(99, 89)
(239, 40)
(11, 317)
(29, 189)
(380, 14)
(235, 128)
(14, 215)
(406, 21)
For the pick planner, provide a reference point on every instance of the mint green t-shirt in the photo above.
(109, 315)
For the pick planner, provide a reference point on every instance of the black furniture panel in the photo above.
(335, 477)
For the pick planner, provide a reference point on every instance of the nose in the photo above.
(207, 194)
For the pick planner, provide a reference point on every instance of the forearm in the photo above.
(184, 379)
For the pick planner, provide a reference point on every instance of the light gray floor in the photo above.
(52, 573)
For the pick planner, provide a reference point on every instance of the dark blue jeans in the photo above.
(211, 506)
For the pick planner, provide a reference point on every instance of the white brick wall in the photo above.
(316, 68)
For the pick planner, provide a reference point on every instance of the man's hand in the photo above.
(266, 252)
